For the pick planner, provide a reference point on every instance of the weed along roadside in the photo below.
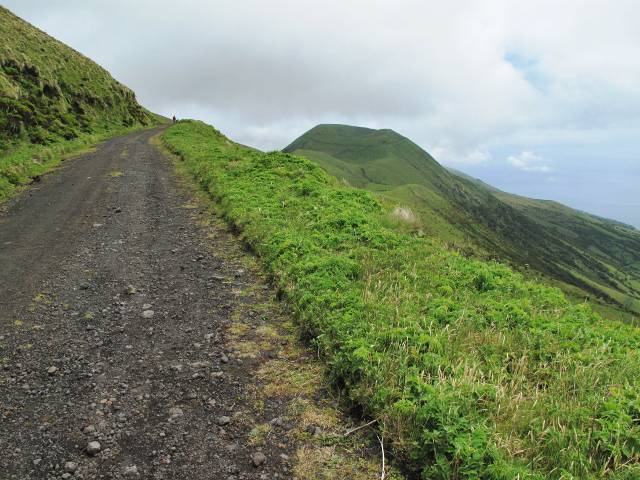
(470, 371)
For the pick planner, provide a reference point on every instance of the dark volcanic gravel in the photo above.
(113, 361)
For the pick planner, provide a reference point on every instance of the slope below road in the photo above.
(115, 308)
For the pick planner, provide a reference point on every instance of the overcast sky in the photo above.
(537, 97)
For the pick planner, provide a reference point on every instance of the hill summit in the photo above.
(370, 157)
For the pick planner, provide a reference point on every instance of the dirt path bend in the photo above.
(113, 308)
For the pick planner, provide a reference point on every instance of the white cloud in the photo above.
(529, 162)
(450, 155)
(478, 156)
(435, 71)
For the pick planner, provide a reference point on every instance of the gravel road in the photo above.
(113, 309)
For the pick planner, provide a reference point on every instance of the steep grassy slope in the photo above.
(471, 371)
(51, 94)
(591, 256)
(614, 244)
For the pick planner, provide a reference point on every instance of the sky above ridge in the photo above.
(539, 98)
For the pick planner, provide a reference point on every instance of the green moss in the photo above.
(472, 371)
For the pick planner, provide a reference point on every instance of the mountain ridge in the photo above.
(471, 178)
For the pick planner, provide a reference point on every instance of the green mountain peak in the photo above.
(586, 255)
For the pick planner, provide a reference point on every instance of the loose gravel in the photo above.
(113, 310)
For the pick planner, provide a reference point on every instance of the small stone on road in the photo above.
(93, 448)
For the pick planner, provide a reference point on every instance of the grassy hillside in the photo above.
(51, 95)
(616, 244)
(471, 371)
(590, 257)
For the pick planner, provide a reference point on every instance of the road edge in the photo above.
(86, 144)
(330, 443)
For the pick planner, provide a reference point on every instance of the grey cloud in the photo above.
(437, 72)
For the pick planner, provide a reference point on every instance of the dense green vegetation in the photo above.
(53, 100)
(587, 256)
(471, 370)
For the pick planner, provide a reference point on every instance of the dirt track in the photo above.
(113, 308)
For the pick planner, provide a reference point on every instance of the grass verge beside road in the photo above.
(470, 370)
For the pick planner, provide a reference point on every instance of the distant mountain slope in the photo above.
(587, 255)
(50, 92)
